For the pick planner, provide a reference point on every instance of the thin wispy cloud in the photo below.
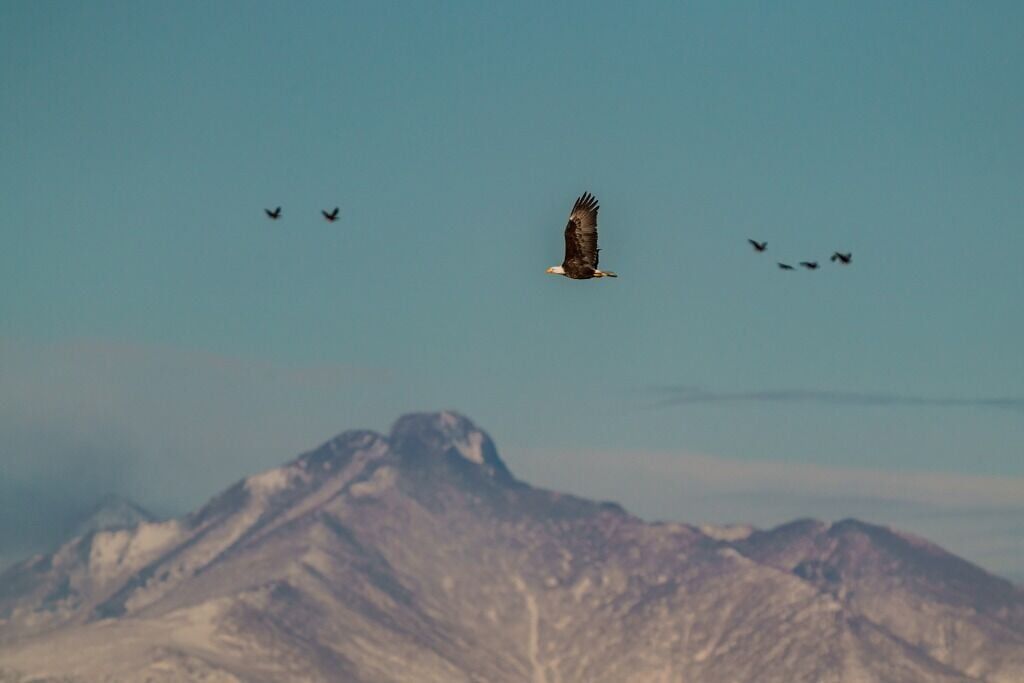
(688, 395)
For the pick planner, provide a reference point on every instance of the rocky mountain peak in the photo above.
(447, 435)
(113, 512)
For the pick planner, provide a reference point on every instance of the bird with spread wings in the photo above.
(581, 251)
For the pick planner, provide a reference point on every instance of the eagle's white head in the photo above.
(556, 270)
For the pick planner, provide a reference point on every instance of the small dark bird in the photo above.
(842, 258)
(275, 214)
(809, 265)
(332, 216)
(785, 266)
(758, 246)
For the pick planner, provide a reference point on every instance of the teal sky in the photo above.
(139, 143)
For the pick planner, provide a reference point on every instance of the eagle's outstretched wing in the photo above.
(581, 233)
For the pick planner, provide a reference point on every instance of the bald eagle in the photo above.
(581, 250)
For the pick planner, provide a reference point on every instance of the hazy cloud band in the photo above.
(686, 395)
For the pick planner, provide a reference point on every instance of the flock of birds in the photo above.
(274, 214)
(842, 258)
(581, 250)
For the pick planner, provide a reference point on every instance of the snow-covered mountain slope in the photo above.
(417, 556)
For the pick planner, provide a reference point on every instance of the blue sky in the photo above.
(140, 280)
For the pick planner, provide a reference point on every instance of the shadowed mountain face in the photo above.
(418, 557)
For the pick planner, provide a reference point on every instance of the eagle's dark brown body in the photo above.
(581, 251)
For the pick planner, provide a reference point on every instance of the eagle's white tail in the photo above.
(604, 273)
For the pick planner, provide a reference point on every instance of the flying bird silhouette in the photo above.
(785, 266)
(809, 265)
(842, 258)
(758, 246)
(275, 214)
(581, 252)
(332, 216)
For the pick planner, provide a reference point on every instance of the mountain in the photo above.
(113, 512)
(109, 512)
(418, 556)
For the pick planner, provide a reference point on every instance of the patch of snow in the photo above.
(383, 478)
(197, 625)
(269, 482)
(154, 536)
(113, 552)
(581, 588)
(532, 638)
(473, 448)
(318, 560)
(107, 549)
(733, 554)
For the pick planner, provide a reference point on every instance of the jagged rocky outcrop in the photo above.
(417, 556)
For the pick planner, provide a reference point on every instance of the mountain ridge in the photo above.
(418, 556)
(113, 512)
